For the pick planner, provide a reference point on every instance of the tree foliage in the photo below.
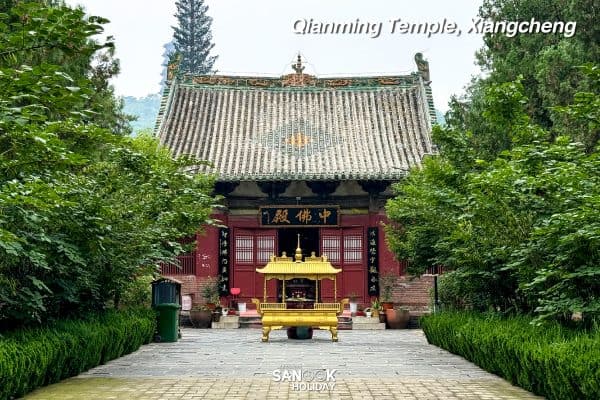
(520, 230)
(545, 64)
(192, 38)
(83, 211)
(509, 202)
(39, 35)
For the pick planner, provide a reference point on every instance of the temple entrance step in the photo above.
(364, 323)
(250, 322)
(344, 322)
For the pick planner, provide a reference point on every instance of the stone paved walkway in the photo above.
(235, 364)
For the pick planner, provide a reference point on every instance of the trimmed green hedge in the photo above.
(549, 360)
(37, 357)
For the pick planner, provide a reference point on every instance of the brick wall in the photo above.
(190, 285)
(413, 292)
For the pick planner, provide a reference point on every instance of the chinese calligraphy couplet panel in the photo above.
(373, 261)
(308, 216)
(224, 263)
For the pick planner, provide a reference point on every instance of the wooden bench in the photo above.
(277, 315)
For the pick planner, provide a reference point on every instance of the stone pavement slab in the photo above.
(235, 364)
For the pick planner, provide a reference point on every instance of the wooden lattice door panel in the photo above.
(252, 249)
(345, 249)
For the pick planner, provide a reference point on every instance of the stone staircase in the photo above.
(250, 320)
(227, 322)
(345, 322)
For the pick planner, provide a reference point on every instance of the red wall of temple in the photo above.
(387, 259)
(352, 279)
(206, 252)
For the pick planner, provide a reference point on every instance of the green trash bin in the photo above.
(167, 322)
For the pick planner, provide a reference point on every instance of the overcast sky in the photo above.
(259, 37)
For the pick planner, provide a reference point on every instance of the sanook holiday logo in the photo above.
(306, 379)
(445, 26)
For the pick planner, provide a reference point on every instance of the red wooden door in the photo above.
(354, 266)
(252, 249)
(344, 248)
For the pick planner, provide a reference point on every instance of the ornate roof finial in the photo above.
(298, 78)
(298, 256)
(423, 67)
(298, 67)
(173, 66)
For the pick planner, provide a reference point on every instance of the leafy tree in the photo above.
(192, 38)
(518, 229)
(546, 65)
(564, 249)
(29, 40)
(507, 203)
(83, 212)
(426, 203)
(546, 61)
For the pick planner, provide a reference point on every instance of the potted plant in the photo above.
(375, 307)
(397, 318)
(353, 304)
(212, 300)
(210, 292)
(387, 282)
(200, 316)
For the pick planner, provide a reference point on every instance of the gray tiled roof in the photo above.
(360, 128)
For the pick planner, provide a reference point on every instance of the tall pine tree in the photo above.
(193, 38)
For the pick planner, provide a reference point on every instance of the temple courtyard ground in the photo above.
(235, 364)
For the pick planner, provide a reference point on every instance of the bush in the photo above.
(36, 357)
(549, 360)
(138, 292)
(459, 292)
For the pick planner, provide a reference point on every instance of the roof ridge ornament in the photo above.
(298, 67)
(423, 67)
(173, 66)
(298, 78)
